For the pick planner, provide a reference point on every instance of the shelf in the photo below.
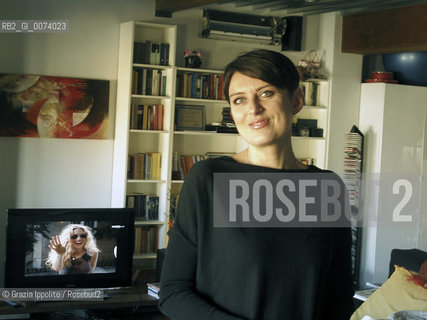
(145, 181)
(200, 100)
(143, 256)
(182, 69)
(206, 133)
(138, 131)
(178, 181)
(140, 96)
(148, 223)
(151, 66)
(322, 108)
(308, 138)
(315, 80)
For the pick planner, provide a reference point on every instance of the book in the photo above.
(153, 289)
(163, 80)
(363, 295)
(160, 117)
(144, 82)
(155, 83)
(146, 239)
(134, 81)
(166, 49)
(139, 82)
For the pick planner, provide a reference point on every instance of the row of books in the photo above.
(151, 82)
(311, 93)
(146, 240)
(181, 165)
(146, 206)
(201, 86)
(144, 166)
(151, 53)
(146, 117)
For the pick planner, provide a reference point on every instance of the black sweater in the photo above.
(250, 273)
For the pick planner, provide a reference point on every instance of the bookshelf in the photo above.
(145, 79)
(314, 147)
(203, 88)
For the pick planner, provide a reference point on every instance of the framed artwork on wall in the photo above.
(53, 107)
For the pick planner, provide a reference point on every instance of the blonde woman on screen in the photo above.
(73, 251)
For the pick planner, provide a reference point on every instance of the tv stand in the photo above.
(120, 304)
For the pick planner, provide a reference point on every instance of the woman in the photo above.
(73, 251)
(254, 273)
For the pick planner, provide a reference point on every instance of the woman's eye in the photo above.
(266, 94)
(238, 100)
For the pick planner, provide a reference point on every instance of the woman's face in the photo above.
(78, 238)
(262, 112)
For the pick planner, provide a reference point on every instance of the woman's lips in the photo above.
(258, 124)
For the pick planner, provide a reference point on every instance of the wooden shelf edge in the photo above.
(148, 222)
(308, 138)
(184, 99)
(151, 66)
(141, 96)
(205, 133)
(143, 256)
(148, 131)
(183, 69)
(145, 181)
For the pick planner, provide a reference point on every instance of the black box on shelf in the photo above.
(221, 129)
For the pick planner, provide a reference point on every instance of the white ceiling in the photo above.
(310, 7)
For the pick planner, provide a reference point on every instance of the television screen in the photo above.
(54, 248)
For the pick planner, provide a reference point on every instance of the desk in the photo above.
(124, 302)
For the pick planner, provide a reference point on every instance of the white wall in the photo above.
(344, 71)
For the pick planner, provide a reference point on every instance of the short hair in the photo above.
(269, 66)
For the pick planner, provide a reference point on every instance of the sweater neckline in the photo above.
(310, 168)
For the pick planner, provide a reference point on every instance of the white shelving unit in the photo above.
(315, 147)
(131, 141)
(393, 119)
(169, 141)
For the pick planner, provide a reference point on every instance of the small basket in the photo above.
(309, 65)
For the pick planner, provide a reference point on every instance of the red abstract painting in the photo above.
(53, 107)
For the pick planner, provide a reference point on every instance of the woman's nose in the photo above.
(255, 106)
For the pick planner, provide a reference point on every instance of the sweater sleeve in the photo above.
(179, 298)
(337, 299)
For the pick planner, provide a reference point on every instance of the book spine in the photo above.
(167, 49)
(140, 110)
(149, 84)
(134, 81)
(148, 52)
(144, 82)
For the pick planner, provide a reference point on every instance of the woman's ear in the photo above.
(298, 100)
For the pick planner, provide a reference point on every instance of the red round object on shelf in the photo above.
(382, 75)
(380, 80)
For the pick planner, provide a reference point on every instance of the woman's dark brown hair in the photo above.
(269, 66)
